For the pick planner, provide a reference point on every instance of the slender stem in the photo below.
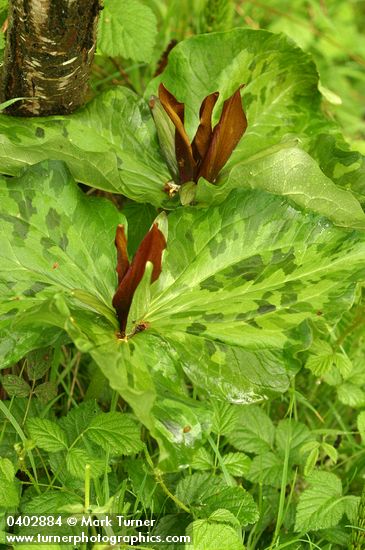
(28, 402)
(284, 478)
(73, 383)
(87, 488)
(159, 479)
(22, 436)
(219, 460)
(166, 490)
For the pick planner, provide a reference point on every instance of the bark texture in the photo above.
(49, 51)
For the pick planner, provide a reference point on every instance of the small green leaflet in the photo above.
(254, 431)
(239, 285)
(47, 435)
(208, 535)
(321, 505)
(204, 494)
(116, 433)
(9, 485)
(78, 439)
(15, 386)
(120, 36)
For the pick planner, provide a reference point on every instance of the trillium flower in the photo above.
(211, 147)
(130, 274)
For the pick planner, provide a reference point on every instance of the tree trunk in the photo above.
(49, 50)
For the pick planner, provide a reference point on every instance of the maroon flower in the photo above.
(211, 147)
(130, 274)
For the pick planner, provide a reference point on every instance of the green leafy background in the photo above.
(250, 291)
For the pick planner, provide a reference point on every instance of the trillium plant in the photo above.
(193, 248)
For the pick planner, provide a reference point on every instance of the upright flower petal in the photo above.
(204, 133)
(183, 150)
(226, 135)
(150, 250)
(122, 254)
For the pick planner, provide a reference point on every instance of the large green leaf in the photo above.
(110, 144)
(291, 172)
(239, 285)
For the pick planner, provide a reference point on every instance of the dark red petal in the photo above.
(122, 254)
(226, 135)
(150, 250)
(204, 133)
(184, 153)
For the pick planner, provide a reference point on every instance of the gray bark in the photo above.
(49, 50)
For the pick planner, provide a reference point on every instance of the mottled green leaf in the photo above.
(48, 245)
(292, 173)
(110, 144)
